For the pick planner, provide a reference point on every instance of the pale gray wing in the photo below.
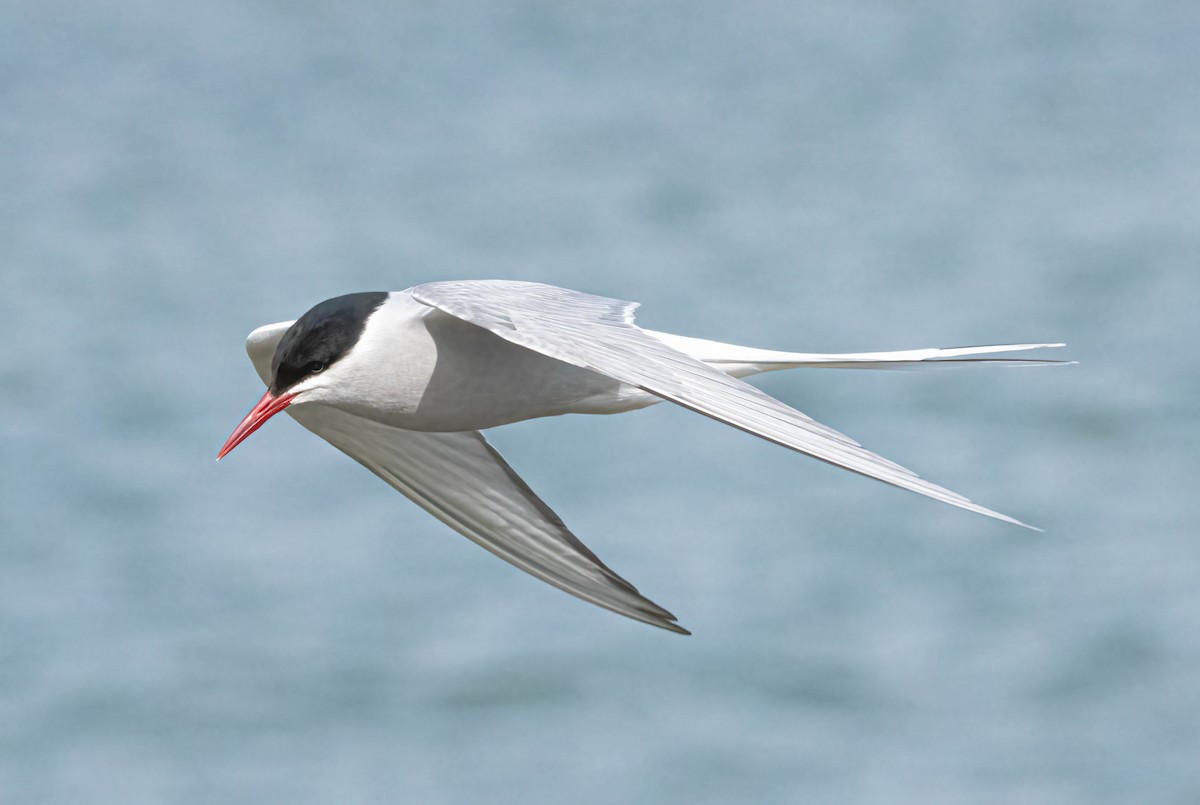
(260, 346)
(460, 479)
(598, 333)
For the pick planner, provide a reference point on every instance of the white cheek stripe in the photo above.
(388, 368)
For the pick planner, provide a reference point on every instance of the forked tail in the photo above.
(745, 361)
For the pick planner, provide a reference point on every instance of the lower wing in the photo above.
(460, 479)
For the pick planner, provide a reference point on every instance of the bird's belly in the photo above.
(488, 401)
(455, 376)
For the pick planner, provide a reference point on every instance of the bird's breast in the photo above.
(418, 368)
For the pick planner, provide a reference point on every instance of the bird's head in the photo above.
(311, 347)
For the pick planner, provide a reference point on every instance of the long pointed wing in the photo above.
(460, 479)
(598, 333)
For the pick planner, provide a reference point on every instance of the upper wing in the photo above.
(598, 333)
(460, 479)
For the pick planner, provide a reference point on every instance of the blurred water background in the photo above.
(820, 176)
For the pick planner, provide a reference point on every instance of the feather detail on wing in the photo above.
(598, 333)
(461, 479)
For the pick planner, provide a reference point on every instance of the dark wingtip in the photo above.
(673, 627)
(668, 623)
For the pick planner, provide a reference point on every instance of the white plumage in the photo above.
(439, 362)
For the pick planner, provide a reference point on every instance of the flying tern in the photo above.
(403, 382)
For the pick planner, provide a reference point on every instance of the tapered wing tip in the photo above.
(1013, 520)
(671, 626)
(654, 615)
(1001, 517)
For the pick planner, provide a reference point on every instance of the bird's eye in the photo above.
(315, 367)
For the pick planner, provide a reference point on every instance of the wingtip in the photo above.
(655, 615)
(972, 506)
(664, 620)
(1015, 521)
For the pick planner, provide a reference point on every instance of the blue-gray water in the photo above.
(822, 176)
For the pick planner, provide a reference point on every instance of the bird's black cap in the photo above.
(321, 337)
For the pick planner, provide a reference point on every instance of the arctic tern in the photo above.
(403, 382)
